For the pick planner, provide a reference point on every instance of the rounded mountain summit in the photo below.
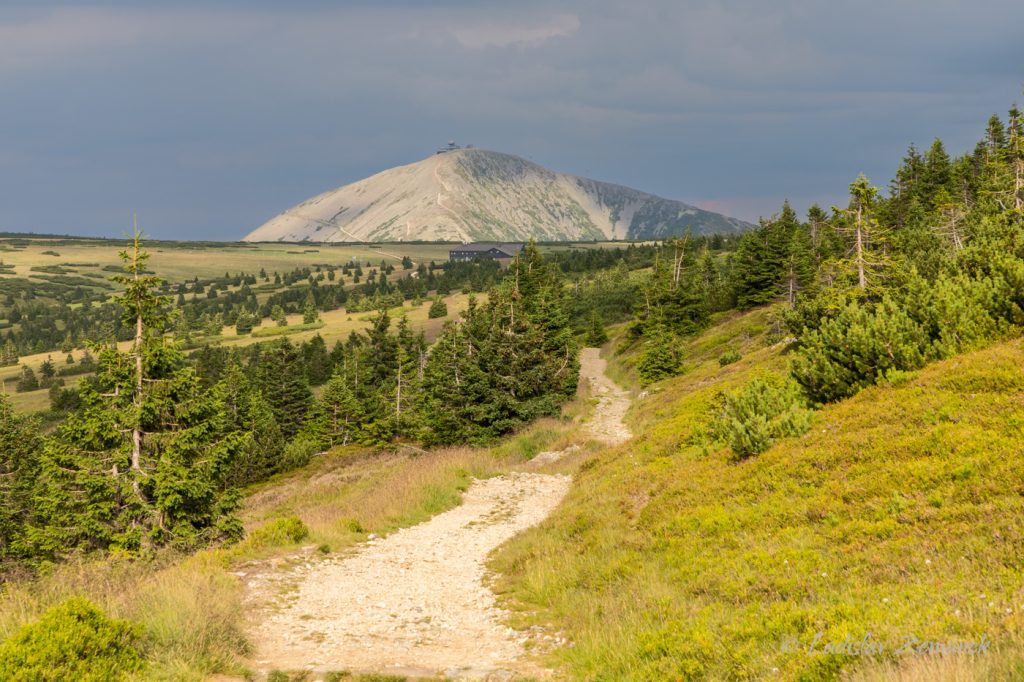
(468, 194)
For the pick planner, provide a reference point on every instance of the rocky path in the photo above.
(415, 602)
(612, 402)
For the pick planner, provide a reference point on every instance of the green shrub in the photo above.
(752, 418)
(353, 525)
(72, 641)
(289, 530)
(437, 309)
(728, 357)
(856, 347)
(660, 358)
(298, 453)
(859, 344)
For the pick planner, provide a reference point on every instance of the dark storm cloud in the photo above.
(209, 117)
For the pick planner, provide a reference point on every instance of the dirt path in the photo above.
(415, 602)
(606, 424)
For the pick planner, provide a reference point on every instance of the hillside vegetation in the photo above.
(897, 516)
(189, 612)
(825, 483)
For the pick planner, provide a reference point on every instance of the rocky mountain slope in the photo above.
(476, 195)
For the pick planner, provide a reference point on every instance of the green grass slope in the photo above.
(897, 518)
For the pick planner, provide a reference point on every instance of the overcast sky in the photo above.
(209, 117)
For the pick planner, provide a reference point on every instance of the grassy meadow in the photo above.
(178, 261)
(337, 325)
(895, 518)
(92, 261)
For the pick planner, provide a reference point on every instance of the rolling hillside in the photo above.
(894, 521)
(477, 195)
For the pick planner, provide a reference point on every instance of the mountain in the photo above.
(468, 195)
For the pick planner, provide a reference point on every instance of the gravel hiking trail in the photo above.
(416, 602)
(606, 424)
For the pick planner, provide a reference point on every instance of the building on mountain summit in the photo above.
(500, 252)
(451, 147)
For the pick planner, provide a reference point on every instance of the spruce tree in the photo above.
(438, 308)
(456, 400)
(799, 263)
(282, 380)
(859, 221)
(596, 335)
(411, 352)
(660, 357)
(28, 381)
(142, 462)
(10, 354)
(317, 361)
(47, 371)
(712, 284)
(937, 173)
(19, 452)
(247, 412)
(337, 417)
(1015, 158)
(373, 368)
(310, 312)
(277, 314)
(754, 284)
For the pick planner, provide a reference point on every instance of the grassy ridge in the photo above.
(898, 515)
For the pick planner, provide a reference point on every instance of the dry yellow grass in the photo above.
(191, 612)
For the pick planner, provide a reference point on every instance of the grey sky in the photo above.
(210, 117)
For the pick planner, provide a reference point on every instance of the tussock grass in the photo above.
(898, 514)
(190, 612)
(345, 495)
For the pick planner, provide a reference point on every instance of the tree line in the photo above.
(154, 448)
(883, 284)
(37, 316)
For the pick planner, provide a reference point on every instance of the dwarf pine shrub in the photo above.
(288, 530)
(72, 641)
(751, 419)
(857, 346)
(728, 357)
